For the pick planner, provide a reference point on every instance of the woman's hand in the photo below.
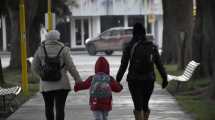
(121, 87)
(164, 84)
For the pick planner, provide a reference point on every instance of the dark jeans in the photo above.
(57, 98)
(141, 92)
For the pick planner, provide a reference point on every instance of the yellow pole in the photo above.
(23, 48)
(49, 15)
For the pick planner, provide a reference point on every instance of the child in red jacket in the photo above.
(101, 86)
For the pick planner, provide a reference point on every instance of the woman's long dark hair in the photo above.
(139, 33)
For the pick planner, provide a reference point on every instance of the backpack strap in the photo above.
(59, 54)
(133, 50)
(45, 51)
(60, 51)
(44, 48)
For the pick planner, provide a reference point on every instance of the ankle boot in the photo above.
(138, 115)
(146, 115)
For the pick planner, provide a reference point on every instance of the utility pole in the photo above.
(50, 21)
(23, 47)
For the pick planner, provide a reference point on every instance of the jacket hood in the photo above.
(53, 35)
(139, 32)
(102, 65)
(147, 42)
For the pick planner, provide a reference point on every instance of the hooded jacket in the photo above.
(101, 67)
(138, 66)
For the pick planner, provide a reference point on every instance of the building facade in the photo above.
(92, 17)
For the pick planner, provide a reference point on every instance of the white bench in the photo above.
(190, 68)
(12, 91)
(192, 65)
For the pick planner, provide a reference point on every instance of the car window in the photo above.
(115, 33)
(106, 34)
(128, 31)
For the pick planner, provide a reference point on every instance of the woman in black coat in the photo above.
(142, 55)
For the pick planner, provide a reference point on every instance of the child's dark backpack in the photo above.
(100, 87)
(52, 67)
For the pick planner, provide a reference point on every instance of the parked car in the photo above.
(113, 39)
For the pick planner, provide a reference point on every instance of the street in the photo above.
(163, 105)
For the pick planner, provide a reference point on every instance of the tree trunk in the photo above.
(33, 26)
(203, 41)
(1, 75)
(1, 72)
(32, 33)
(184, 27)
(198, 39)
(15, 61)
(209, 37)
(169, 33)
(203, 36)
(213, 52)
(177, 31)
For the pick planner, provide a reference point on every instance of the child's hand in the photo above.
(121, 86)
(76, 86)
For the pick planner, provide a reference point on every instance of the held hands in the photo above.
(77, 86)
(164, 84)
(121, 87)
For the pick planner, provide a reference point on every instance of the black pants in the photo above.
(57, 98)
(141, 92)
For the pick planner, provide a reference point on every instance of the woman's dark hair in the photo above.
(139, 32)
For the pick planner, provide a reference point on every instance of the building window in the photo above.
(78, 32)
(111, 21)
(134, 19)
(86, 29)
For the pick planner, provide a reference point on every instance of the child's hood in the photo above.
(102, 65)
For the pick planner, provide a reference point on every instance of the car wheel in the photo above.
(109, 52)
(91, 49)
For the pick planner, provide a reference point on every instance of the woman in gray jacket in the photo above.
(54, 92)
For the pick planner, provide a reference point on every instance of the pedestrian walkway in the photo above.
(163, 106)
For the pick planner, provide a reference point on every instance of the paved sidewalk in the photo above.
(162, 104)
